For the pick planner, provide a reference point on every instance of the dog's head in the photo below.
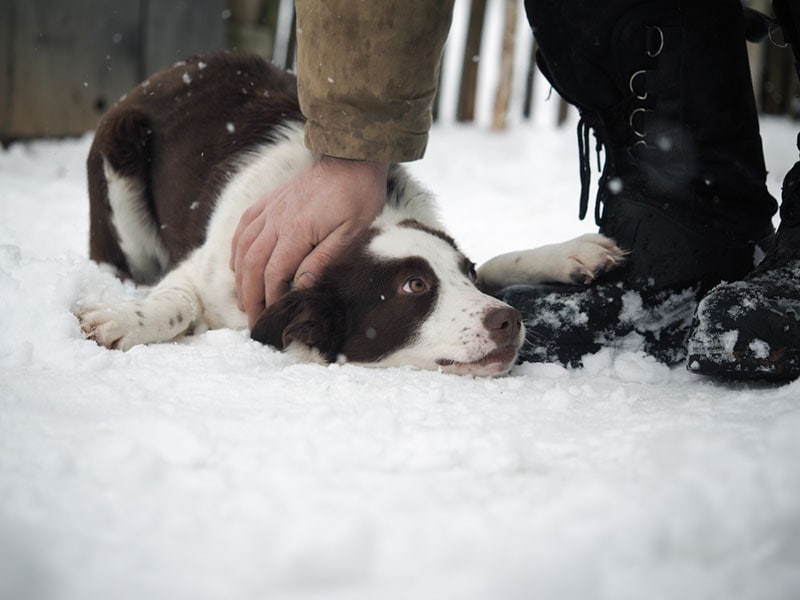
(404, 296)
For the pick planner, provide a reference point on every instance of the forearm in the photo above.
(367, 75)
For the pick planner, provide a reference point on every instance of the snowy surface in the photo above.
(218, 468)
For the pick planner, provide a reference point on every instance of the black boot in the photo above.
(665, 85)
(751, 329)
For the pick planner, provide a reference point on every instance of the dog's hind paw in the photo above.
(109, 327)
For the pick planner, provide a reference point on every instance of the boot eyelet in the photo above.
(778, 44)
(657, 51)
(630, 85)
(636, 132)
(635, 151)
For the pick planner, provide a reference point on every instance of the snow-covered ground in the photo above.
(218, 468)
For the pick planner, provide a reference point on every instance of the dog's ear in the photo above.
(312, 317)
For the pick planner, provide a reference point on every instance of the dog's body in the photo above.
(176, 162)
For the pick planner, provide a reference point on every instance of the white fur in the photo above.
(578, 260)
(138, 234)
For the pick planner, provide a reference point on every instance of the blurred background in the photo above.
(63, 63)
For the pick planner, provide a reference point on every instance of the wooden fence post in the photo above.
(465, 111)
(503, 96)
(291, 51)
(63, 64)
(252, 26)
(527, 103)
(175, 30)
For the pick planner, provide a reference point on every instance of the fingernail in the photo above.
(305, 280)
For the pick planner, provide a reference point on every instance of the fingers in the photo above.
(314, 264)
(281, 268)
(244, 262)
(295, 232)
(266, 268)
(250, 269)
(250, 256)
(240, 245)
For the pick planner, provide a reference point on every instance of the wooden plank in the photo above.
(465, 111)
(6, 66)
(503, 95)
(291, 51)
(252, 26)
(68, 62)
(527, 103)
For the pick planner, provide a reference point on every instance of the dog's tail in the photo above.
(123, 138)
(122, 144)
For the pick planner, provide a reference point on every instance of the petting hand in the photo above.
(295, 232)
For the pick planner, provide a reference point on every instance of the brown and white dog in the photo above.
(176, 162)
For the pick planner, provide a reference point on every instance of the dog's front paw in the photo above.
(579, 260)
(111, 327)
(588, 256)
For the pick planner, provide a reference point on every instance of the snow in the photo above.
(218, 468)
(759, 348)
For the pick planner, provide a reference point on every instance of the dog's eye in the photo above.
(415, 285)
(468, 268)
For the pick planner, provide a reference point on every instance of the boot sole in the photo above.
(780, 366)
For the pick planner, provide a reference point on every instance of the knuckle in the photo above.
(252, 259)
(278, 271)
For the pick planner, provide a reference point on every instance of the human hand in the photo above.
(300, 228)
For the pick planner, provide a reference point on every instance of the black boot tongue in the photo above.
(757, 25)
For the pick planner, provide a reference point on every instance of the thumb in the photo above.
(324, 254)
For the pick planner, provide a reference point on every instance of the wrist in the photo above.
(375, 169)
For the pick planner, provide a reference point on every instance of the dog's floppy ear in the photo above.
(312, 317)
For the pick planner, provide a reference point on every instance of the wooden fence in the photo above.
(62, 64)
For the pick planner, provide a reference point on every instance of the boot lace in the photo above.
(642, 88)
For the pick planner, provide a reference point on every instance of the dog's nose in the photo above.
(503, 324)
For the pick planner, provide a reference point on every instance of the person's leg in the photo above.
(665, 86)
(751, 328)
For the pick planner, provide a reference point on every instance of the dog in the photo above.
(175, 163)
